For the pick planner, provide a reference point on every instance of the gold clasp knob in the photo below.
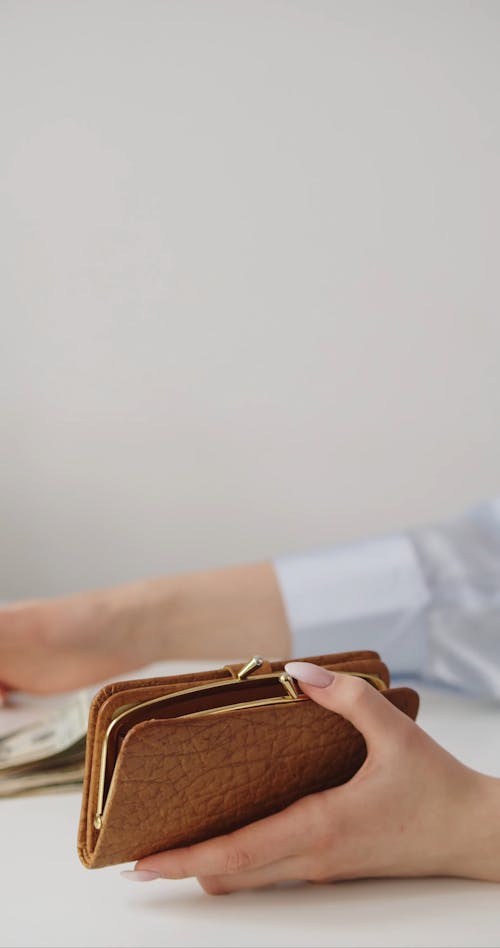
(250, 666)
(289, 685)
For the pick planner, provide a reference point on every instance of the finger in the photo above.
(357, 701)
(3, 695)
(283, 870)
(256, 845)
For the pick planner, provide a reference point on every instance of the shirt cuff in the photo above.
(370, 594)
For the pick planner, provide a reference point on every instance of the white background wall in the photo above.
(250, 278)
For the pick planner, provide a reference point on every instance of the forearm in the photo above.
(69, 642)
(224, 613)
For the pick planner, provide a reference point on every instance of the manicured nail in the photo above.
(140, 875)
(310, 674)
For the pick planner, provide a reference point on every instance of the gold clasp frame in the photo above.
(284, 679)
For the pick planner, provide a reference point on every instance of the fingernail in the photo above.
(310, 674)
(140, 875)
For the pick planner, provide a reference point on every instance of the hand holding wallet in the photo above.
(173, 761)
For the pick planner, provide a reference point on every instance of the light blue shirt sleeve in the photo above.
(427, 599)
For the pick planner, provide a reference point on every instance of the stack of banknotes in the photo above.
(42, 745)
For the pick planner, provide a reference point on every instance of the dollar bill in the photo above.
(48, 753)
(44, 781)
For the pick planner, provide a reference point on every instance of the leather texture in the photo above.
(180, 780)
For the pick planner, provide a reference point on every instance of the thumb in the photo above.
(360, 703)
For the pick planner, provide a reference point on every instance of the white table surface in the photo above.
(48, 899)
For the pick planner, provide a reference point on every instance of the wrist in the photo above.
(478, 828)
(146, 616)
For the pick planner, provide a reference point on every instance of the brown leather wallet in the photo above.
(173, 761)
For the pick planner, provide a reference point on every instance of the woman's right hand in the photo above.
(411, 810)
